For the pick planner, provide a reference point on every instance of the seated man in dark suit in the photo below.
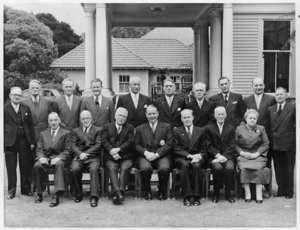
(118, 141)
(221, 140)
(86, 147)
(153, 142)
(190, 153)
(53, 151)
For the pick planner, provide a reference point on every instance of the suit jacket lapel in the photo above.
(93, 107)
(140, 102)
(103, 105)
(12, 112)
(224, 131)
(175, 104)
(263, 102)
(158, 130)
(253, 103)
(197, 111)
(48, 137)
(283, 113)
(148, 132)
(194, 137)
(221, 100)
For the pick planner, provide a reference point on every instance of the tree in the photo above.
(63, 35)
(130, 32)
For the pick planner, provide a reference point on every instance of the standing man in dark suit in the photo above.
(202, 108)
(118, 143)
(18, 138)
(153, 143)
(233, 102)
(221, 141)
(53, 151)
(86, 146)
(101, 108)
(190, 154)
(40, 108)
(283, 141)
(261, 102)
(135, 102)
(68, 105)
(170, 105)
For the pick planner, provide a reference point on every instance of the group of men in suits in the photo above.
(148, 135)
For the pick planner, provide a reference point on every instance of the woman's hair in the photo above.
(251, 111)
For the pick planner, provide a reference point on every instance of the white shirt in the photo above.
(88, 128)
(220, 127)
(35, 98)
(16, 107)
(227, 95)
(258, 99)
(200, 103)
(55, 131)
(69, 100)
(118, 127)
(153, 126)
(282, 105)
(191, 129)
(135, 98)
(170, 99)
(99, 99)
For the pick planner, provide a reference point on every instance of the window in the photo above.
(187, 81)
(176, 79)
(276, 54)
(123, 83)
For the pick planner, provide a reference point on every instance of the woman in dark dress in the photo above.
(252, 146)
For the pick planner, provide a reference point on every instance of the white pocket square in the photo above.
(234, 102)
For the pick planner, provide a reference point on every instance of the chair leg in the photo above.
(140, 184)
(207, 175)
(168, 189)
(173, 183)
(270, 184)
(102, 181)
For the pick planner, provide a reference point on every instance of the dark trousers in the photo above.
(22, 147)
(78, 167)
(163, 166)
(284, 164)
(191, 176)
(223, 171)
(118, 183)
(41, 170)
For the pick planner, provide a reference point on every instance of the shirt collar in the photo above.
(117, 125)
(88, 128)
(16, 107)
(226, 94)
(99, 97)
(69, 97)
(167, 97)
(155, 124)
(200, 102)
(282, 105)
(33, 98)
(133, 95)
(56, 130)
(191, 128)
(220, 126)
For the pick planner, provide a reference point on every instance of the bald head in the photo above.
(258, 85)
(121, 115)
(220, 114)
(86, 118)
(15, 95)
(53, 120)
(187, 117)
(135, 85)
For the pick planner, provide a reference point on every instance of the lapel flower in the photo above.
(162, 143)
(107, 107)
(179, 109)
(257, 131)
(145, 106)
(234, 102)
(26, 114)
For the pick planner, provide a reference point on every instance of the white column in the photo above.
(215, 51)
(103, 48)
(204, 54)
(196, 65)
(227, 54)
(89, 10)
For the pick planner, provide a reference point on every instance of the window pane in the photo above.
(283, 71)
(276, 34)
(269, 72)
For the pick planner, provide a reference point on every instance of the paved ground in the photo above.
(23, 212)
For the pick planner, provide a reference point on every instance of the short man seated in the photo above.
(53, 151)
(118, 144)
(190, 153)
(86, 146)
(221, 142)
(153, 142)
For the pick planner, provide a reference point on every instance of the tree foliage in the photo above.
(63, 35)
(130, 32)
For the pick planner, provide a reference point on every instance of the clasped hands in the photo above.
(195, 158)
(150, 156)
(249, 156)
(115, 153)
(219, 159)
(44, 160)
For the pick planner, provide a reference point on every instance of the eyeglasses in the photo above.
(16, 95)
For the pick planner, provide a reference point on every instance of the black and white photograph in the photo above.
(132, 114)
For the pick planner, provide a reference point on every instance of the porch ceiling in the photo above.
(171, 15)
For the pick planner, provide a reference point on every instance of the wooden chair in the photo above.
(156, 182)
(49, 181)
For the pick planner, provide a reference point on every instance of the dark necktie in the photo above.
(97, 102)
(119, 129)
(53, 135)
(279, 110)
(226, 99)
(189, 132)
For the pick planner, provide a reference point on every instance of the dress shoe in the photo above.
(288, 197)
(94, 202)
(279, 194)
(148, 196)
(162, 196)
(78, 199)
(10, 196)
(196, 201)
(230, 199)
(187, 202)
(247, 200)
(118, 198)
(55, 201)
(38, 198)
(259, 201)
(27, 193)
(215, 199)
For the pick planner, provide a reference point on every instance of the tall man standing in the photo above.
(153, 143)
(190, 154)
(261, 102)
(118, 143)
(86, 146)
(135, 102)
(202, 108)
(170, 105)
(53, 151)
(18, 138)
(283, 141)
(68, 105)
(101, 108)
(221, 141)
(233, 102)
